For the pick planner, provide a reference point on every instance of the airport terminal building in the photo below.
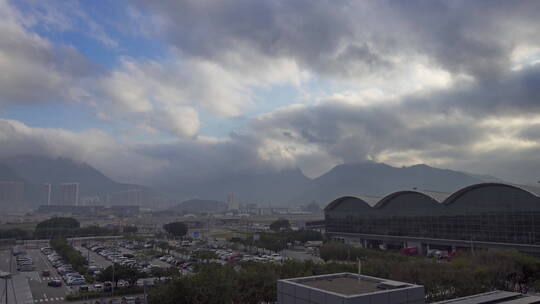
(488, 215)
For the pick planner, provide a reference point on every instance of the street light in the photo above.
(6, 276)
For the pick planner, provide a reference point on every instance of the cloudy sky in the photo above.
(140, 89)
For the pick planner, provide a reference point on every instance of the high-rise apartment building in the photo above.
(68, 194)
(45, 195)
(127, 197)
(232, 203)
(11, 192)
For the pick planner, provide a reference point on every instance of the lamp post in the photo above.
(6, 276)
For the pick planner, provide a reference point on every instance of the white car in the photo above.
(76, 281)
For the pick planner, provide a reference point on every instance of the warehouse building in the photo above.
(347, 288)
(488, 215)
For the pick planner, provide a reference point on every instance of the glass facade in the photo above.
(486, 212)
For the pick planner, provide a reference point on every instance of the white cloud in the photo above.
(33, 69)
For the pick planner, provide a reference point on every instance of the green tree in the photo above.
(164, 246)
(204, 255)
(130, 229)
(70, 254)
(57, 227)
(121, 272)
(164, 272)
(280, 224)
(176, 229)
(15, 233)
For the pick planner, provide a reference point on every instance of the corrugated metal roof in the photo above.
(534, 190)
(524, 300)
(488, 297)
(371, 200)
(436, 195)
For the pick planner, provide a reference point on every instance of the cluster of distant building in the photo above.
(68, 193)
(11, 192)
(235, 208)
(60, 194)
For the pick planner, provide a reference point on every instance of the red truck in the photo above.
(409, 251)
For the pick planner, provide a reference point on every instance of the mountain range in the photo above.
(34, 171)
(271, 187)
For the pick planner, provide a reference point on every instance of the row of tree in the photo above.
(464, 275)
(176, 229)
(249, 282)
(69, 254)
(58, 227)
(68, 227)
(245, 282)
(279, 240)
(16, 233)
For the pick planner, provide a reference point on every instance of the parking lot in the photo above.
(31, 286)
(40, 268)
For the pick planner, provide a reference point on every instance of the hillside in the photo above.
(379, 179)
(36, 170)
(198, 206)
(256, 187)
(8, 174)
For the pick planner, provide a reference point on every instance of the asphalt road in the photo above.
(30, 287)
(38, 284)
(96, 258)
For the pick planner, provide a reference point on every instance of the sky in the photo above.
(145, 89)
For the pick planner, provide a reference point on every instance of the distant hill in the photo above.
(292, 187)
(198, 206)
(276, 187)
(36, 170)
(378, 179)
(8, 174)
(270, 186)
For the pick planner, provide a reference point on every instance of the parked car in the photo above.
(98, 287)
(25, 268)
(55, 283)
(128, 300)
(45, 273)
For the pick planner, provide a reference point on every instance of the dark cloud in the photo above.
(470, 37)
(443, 125)
(221, 49)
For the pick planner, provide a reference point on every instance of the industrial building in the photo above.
(495, 297)
(350, 288)
(347, 288)
(487, 215)
(93, 210)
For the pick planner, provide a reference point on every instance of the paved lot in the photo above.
(99, 260)
(31, 287)
(300, 255)
(153, 261)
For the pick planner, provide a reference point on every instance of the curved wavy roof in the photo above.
(392, 196)
(456, 195)
(437, 198)
(335, 203)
